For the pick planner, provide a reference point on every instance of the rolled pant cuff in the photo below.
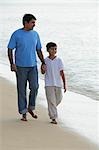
(31, 107)
(23, 111)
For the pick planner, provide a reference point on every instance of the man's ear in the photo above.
(25, 22)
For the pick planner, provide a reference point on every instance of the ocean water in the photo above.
(73, 26)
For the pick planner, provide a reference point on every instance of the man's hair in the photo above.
(50, 44)
(27, 18)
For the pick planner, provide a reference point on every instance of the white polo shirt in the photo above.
(52, 75)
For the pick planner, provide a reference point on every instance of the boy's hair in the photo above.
(27, 18)
(50, 44)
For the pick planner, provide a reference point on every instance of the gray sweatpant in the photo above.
(54, 97)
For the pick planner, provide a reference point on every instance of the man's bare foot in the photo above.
(24, 117)
(32, 114)
(54, 121)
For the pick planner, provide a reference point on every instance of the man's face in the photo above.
(30, 25)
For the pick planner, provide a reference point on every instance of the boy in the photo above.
(53, 75)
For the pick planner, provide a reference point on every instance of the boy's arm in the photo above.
(64, 80)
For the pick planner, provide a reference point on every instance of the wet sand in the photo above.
(34, 134)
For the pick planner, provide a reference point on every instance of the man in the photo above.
(26, 43)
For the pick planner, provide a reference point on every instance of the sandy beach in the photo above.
(37, 134)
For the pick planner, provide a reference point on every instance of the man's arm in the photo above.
(10, 56)
(43, 65)
(40, 55)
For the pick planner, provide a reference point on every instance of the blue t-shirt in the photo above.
(25, 43)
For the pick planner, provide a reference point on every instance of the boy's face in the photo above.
(52, 51)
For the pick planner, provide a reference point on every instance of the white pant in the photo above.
(54, 97)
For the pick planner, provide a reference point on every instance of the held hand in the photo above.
(13, 67)
(43, 68)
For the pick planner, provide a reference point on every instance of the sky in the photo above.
(46, 1)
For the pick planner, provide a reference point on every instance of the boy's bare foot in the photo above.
(32, 114)
(24, 117)
(54, 121)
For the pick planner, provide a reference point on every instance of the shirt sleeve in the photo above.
(12, 42)
(38, 46)
(61, 67)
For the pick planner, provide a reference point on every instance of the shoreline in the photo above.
(4, 73)
(37, 134)
(70, 110)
